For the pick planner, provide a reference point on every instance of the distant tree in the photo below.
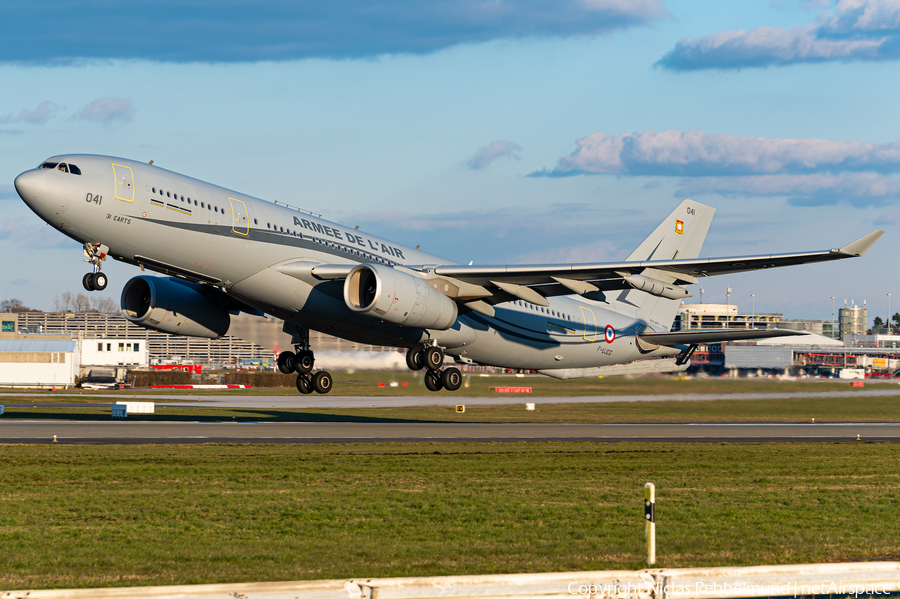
(877, 323)
(69, 302)
(15, 305)
(896, 319)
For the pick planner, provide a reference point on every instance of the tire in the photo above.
(433, 380)
(304, 384)
(304, 361)
(86, 282)
(322, 382)
(99, 281)
(433, 358)
(286, 360)
(451, 379)
(414, 358)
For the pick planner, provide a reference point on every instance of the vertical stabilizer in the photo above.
(679, 236)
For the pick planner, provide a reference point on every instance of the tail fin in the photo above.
(679, 235)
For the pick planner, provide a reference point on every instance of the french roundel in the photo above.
(610, 333)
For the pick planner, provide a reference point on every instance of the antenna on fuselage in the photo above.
(151, 162)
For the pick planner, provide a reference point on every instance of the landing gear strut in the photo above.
(431, 357)
(95, 253)
(301, 361)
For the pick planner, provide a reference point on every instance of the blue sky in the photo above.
(493, 131)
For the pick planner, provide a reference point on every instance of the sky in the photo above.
(493, 131)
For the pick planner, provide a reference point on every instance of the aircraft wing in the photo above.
(685, 271)
(713, 336)
(480, 287)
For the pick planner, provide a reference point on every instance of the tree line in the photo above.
(66, 302)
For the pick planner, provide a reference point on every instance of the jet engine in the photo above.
(172, 306)
(383, 293)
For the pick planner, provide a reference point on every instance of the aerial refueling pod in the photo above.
(383, 293)
(657, 287)
(171, 306)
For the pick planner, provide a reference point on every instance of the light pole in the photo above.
(701, 295)
(727, 294)
(753, 305)
(889, 315)
(832, 318)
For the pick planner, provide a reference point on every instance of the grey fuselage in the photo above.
(181, 226)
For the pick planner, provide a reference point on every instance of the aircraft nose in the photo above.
(29, 184)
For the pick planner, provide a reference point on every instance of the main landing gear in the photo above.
(431, 357)
(301, 361)
(95, 253)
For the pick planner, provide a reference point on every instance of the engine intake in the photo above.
(384, 293)
(171, 306)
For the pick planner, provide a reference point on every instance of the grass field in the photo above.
(140, 515)
(366, 384)
(794, 409)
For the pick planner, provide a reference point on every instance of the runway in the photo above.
(124, 432)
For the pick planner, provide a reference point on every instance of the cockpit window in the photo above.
(62, 166)
(74, 169)
(49, 165)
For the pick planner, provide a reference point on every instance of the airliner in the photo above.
(222, 252)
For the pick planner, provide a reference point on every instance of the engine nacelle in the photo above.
(170, 306)
(383, 293)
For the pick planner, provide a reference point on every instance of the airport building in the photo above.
(103, 340)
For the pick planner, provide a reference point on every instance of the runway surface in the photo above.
(437, 399)
(124, 432)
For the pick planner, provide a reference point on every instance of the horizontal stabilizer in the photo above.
(654, 366)
(713, 336)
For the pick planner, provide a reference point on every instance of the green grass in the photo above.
(85, 516)
(366, 383)
(795, 409)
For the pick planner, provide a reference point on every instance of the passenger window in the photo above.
(195, 202)
(154, 190)
(255, 222)
(182, 198)
(74, 169)
(161, 192)
(201, 205)
(217, 209)
(62, 167)
(168, 195)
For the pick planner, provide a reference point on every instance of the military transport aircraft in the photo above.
(226, 252)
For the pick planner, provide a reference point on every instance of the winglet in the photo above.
(863, 244)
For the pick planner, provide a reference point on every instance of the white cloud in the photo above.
(491, 152)
(852, 30)
(40, 115)
(108, 109)
(696, 153)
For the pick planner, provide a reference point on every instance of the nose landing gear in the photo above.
(95, 254)
(301, 361)
(432, 358)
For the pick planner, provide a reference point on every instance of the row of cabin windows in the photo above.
(175, 196)
(122, 347)
(62, 166)
(547, 311)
